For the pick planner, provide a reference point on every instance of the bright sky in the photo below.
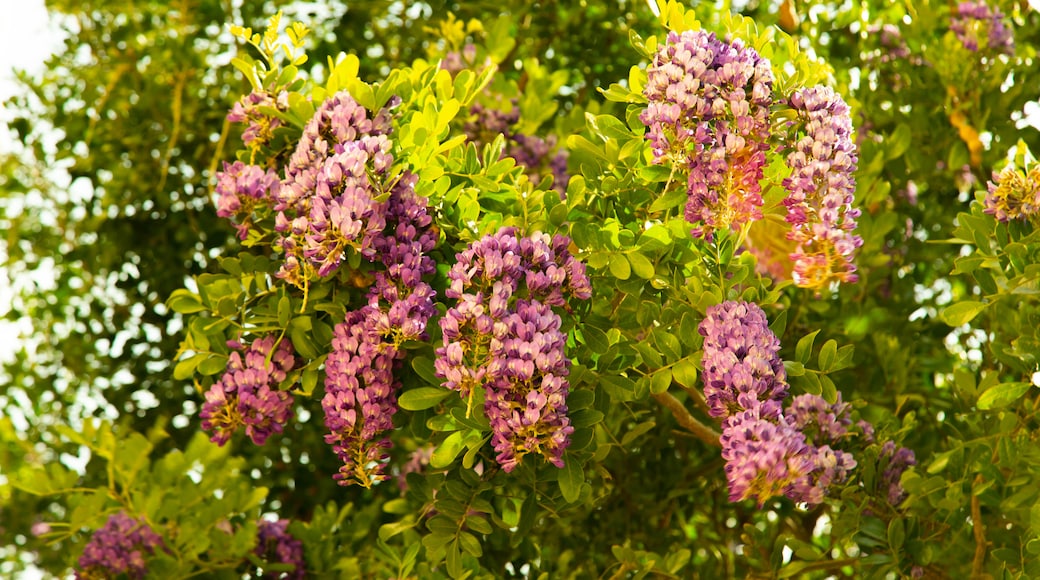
(26, 40)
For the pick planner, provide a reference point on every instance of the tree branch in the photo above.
(702, 431)
(979, 532)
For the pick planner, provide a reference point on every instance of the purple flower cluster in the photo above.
(765, 457)
(975, 23)
(261, 124)
(768, 452)
(276, 546)
(742, 366)
(1014, 195)
(360, 385)
(247, 393)
(538, 156)
(825, 426)
(455, 61)
(821, 189)
(503, 336)
(893, 45)
(241, 190)
(899, 460)
(708, 116)
(327, 202)
(118, 548)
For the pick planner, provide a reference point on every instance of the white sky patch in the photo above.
(27, 38)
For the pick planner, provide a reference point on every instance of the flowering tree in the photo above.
(740, 314)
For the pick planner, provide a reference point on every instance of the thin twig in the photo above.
(978, 530)
(702, 431)
(698, 398)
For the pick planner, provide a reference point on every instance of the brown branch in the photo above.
(698, 399)
(702, 431)
(978, 530)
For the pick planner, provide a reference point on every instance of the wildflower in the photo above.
(502, 336)
(981, 28)
(1014, 195)
(247, 394)
(118, 548)
(821, 189)
(708, 116)
(275, 545)
(242, 190)
(742, 366)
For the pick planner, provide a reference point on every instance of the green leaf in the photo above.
(447, 451)
(898, 142)
(896, 534)
(470, 544)
(213, 365)
(962, 312)
(186, 368)
(794, 368)
(685, 373)
(803, 350)
(571, 477)
(595, 338)
(642, 266)
(1002, 395)
(423, 366)
(827, 355)
(660, 381)
(184, 302)
(422, 398)
(672, 198)
(284, 310)
(636, 431)
(620, 267)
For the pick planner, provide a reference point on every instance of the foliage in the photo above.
(458, 128)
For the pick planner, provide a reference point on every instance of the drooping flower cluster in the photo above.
(503, 336)
(360, 385)
(242, 190)
(1014, 195)
(247, 394)
(118, 548)
(742, 366)
(275, 545)
(260, 124)
(899, 460)
(538, 156)
(327, 201)
(765, 457)
(980, 27)
(821, 190)
(825, 427)
(708, 116)
(893, 46)
(768, 452)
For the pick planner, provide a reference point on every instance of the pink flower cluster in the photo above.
(360, 385)
(1014, 194)
(260, 123)
(821, 190)
(503, 337)
(708, 116)
(247, 394)
(275, 545)
(243, 190)
(980, 27)
(327, 202)
(768, 452)
(538, 156)
(118, 549)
